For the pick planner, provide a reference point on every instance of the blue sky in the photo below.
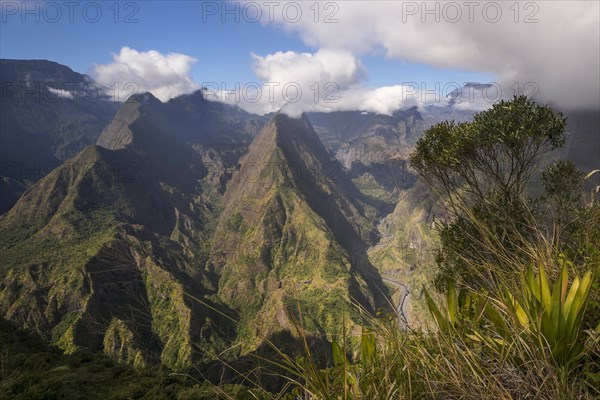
(223, 50)
(371, 50)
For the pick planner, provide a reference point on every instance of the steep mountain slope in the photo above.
(106, 251)
(128, 247)
(406, 253)
(293, 231)
(219, 133)
(48, 113)
(372, 148)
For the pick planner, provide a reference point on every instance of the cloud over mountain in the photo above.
(549, 50)
(165, 76)
(552, 44)
(327, 80)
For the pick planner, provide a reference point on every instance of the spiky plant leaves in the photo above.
(440, 319)
(337, 352)
(368, 347)
(552, 315)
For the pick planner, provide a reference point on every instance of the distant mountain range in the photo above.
(170, 232)
(41, 124)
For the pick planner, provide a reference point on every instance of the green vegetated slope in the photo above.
(292, 234)
(105, 251)
(406, 253)
(30, 369)
(374, 149)
(128, 248)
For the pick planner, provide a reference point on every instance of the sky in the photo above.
(375, 56)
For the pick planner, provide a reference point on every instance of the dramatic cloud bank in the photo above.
(132, 71)
(549, 50)
(328, 80)
(551, 46)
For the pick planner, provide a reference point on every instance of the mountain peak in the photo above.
(297, 133)
(284, 121)
(37, 70)
(143, 99)
(289, 208)
(138, 107)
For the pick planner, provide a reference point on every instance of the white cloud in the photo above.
(557, 49)
(326, 81)
(132, 71)
(306, 68)
(383, 100)
(65, 94)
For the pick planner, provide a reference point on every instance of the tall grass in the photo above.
(527, 332)
(525, 325)
(479, 348)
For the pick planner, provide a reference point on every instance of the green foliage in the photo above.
(506, 343)
(554, 314)
(537, 322)
(456, 302)
(30, 370)
(542, 335)
(235, 222)
(483, 171)
(494, 154)
(562, 182)
(62, 334)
